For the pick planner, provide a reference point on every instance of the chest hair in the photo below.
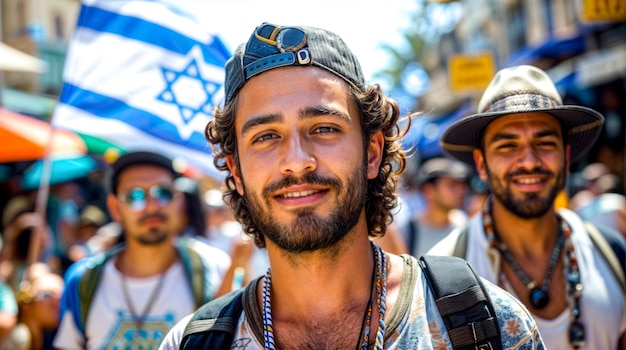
(342, 331)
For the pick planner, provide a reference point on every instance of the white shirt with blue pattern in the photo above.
(417, 326)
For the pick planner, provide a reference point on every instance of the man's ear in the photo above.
(113, 204)
(375, 154)
(479, 160)
(234, 169)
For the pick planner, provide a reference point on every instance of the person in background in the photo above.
(30, 330)
(479, 193)
(443, 183)
(63, 211)
(156, 276)
(601, 202)
(24, 233)
(39, 311)
(586, 189)
(522, 142)
(90, 220)
(8, 313)
(312, 156)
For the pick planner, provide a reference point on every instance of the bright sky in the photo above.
(363, 24)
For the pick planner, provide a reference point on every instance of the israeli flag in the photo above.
(141, 75)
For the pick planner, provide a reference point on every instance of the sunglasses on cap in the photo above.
(272, 46)
(137, 197)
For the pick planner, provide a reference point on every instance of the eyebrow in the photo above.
(316, 111)
(260, 120)
(308, 112)
(539, 134)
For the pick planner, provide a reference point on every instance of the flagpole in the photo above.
(35, 247)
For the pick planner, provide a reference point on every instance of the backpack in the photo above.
(461, 298)
(609, 242)
(83, 277)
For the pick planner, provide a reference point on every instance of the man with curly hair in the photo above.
(312, 157)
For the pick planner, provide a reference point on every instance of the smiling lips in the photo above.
(529, 181)
(298, 194)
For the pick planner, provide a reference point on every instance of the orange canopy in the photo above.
(23, 138)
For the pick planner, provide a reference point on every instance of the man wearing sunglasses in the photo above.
(312, 156)
(131, 295)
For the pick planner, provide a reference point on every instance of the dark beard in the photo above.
(310, 232)
(154, 236)
(532, 205)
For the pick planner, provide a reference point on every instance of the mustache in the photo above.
(153, 216)
(308, 178)
(529, 172)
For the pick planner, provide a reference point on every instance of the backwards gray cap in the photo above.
(272, 46)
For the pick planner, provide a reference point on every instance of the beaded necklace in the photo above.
(380, 261)
(574, 284)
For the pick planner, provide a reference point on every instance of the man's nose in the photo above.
(297, 157)
(529, 158)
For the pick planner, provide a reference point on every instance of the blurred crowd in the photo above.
(35, 255)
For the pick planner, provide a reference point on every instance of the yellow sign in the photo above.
(470, 71)
(604, 10)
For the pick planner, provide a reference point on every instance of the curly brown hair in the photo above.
(377, 111)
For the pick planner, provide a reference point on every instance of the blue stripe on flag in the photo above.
(111, 108)
(101, 20)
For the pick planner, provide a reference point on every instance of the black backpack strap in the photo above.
(463, 303)
(612, 246)
(214, 323)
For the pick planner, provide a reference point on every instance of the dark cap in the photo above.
(272, 46)
(139, 158)
(442, 167)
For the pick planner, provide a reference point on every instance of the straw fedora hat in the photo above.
(522, 89)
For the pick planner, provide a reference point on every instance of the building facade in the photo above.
(41, 28)
(581, 44)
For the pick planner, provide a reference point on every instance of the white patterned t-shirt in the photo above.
(110, 325)
(415, 324)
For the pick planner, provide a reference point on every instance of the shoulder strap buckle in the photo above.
(486, 346)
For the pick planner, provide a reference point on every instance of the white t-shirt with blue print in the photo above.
(413, 323)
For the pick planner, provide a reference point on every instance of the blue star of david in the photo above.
(188, 90)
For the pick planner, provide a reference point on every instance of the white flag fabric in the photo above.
(141, 75)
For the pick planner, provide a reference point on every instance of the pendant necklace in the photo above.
(140, 318)
(380, 260)
(539, 295)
